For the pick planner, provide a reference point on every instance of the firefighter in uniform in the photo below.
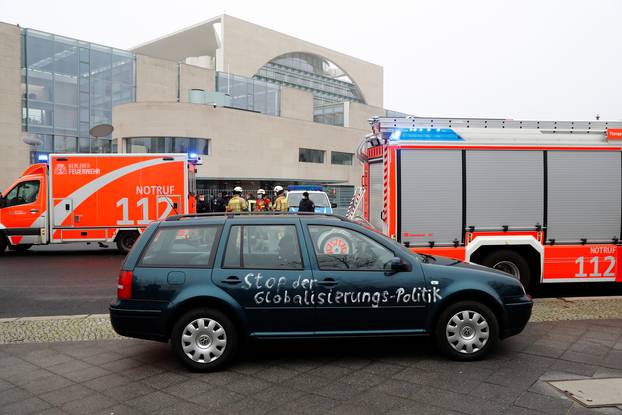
(237, 202)
(263, 203)
(280, 203)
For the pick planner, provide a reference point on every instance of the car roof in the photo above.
(265, 217)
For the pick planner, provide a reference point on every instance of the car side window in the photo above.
(22, 193)
(181, 246)
(341, 249)
(263, 247)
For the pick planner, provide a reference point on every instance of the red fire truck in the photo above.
(94, 198)
(540, 200)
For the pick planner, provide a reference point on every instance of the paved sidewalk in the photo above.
(394, 376)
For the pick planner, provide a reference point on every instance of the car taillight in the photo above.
(124, 285)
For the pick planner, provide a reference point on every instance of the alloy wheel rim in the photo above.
(203, 340)
(467, 332)
(509, 268)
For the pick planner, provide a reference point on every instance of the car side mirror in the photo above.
(333, 205)
(394, 265)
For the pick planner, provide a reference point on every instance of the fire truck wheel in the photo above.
(126, 240)
(510, 262)
(3, 244)
(20, 248)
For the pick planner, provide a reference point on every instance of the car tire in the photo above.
(204, 340)
(126, 240)
(510, 262)
(467, 330)
(20, 248)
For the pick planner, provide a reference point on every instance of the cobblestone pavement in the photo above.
(393, 376)
(97, 327)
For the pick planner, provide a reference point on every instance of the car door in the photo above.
(22, 214)
(355, 292)
(265, 267)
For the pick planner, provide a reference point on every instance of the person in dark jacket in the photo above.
(220, 203)
(202, 205)
(306, 204)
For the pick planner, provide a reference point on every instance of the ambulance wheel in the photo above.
(126, 240)
(20, 248)
(3, 244)
(510, 262)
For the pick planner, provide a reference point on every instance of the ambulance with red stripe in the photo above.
(540, 200)
(104, 198)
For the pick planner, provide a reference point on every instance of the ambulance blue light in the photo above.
(42, 158)
(193, 156)
(307, 187)
(426, 134)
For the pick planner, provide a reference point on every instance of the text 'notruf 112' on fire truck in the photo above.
(540, 200)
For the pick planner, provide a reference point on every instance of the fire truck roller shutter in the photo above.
(375, 194)
(583, 195)
(504, 188)
(431, 196)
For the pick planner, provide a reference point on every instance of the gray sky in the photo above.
(523, 59)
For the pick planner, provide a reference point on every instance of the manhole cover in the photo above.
(592, 392)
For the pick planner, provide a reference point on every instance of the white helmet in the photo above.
(261, 192)
(237, 189)
(278, 189)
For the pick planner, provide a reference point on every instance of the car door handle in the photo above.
(232, 280)
(34, 210)
(327, 282)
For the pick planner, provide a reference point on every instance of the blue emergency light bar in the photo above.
(425, 134)
(43, 158)
(312, 188)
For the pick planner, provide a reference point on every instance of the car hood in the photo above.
(450, 262)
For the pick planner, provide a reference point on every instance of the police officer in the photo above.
(237, 202)
(280, 204)
(263, 203)
(306, 204)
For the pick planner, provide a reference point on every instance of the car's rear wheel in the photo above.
(467, 330)
(126, 240)
(204, 340)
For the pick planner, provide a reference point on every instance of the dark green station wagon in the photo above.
(208, 283)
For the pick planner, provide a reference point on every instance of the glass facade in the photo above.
(186, 145)
(68, 87)
(325, 80)
(307, 155)
(344, 159)
(250, 94)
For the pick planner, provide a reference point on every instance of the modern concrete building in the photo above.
(260, 107)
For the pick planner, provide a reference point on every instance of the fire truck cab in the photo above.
(540, 200)
(104, 198)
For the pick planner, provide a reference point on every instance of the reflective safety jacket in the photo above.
(280, 204)
(262, 204)
(236, 204)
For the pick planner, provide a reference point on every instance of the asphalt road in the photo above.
(58, 280)
(81, 279)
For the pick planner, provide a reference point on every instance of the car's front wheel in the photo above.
(204, 339)
(467, 330)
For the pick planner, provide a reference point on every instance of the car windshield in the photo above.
(320, 199)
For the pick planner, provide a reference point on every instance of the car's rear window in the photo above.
(181, 246)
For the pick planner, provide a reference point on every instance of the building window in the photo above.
(68, 87)
(186, 145)
(307, 155)
(344, 159)
(328, 83)
(250, 94)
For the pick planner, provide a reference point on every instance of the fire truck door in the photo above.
(23, 215)
(168, 205)
(63, 212)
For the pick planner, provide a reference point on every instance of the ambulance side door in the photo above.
(24, 207)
